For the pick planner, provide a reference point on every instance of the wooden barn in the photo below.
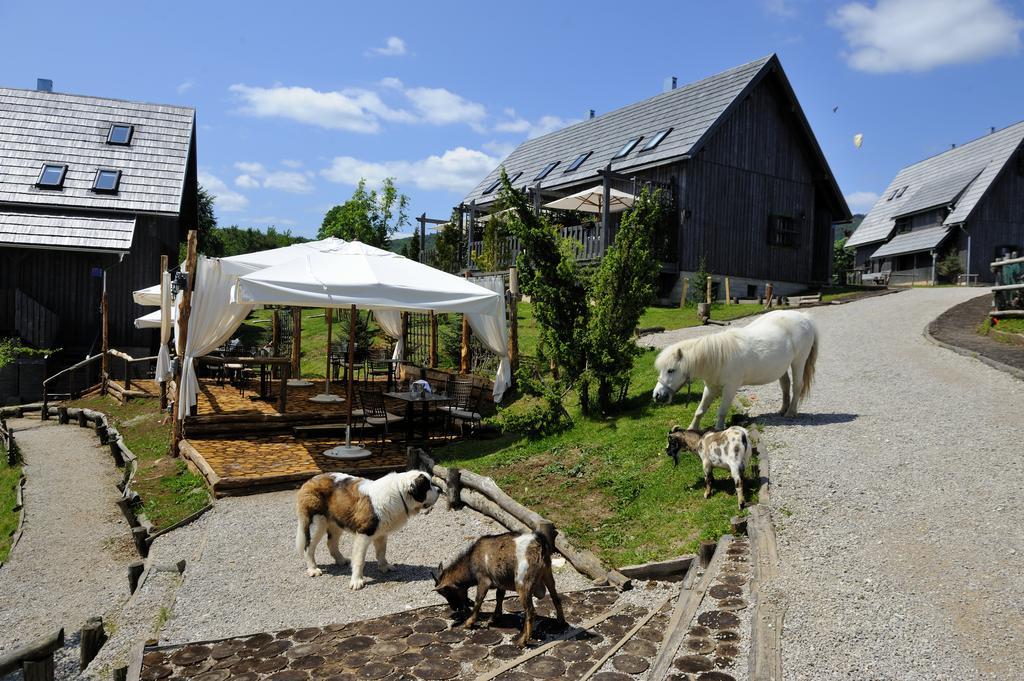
(968, 201)
(91, 190)
(751, 192)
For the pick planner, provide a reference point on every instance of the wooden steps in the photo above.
(321, 429)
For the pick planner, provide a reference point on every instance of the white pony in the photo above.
(764, 351)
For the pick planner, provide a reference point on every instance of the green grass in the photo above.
(606, 483)
(1012, 325)
(169, 490)
(9, 478)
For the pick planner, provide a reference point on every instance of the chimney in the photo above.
(953, 145)
(991, 129)
(44, 85)
(675, 81)
(591, 113)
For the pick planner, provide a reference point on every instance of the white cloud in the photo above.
(513, 123)
(441, 107)
(456, 170)
(861, 202)
(498, 149)
(780, 8)
(291, 163)
(354, 110)
(918, 35)
(226, 199)
(185, 86)
(255, 175)
(393, 47)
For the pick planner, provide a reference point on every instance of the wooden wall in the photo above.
(756, 164)
(998, 220)
(63, 282)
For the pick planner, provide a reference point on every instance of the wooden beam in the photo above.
(163, 384)
(296, 342)
(682, 298)
(464, 353)
(105, 321)
(433, 340)
(513, 319)
(329, 315)
(403, 332)
(184, 312)
(44, 647)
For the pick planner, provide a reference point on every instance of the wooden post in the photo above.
(105, 348)
(464, 354)
(275, 332)
(686, 287)
(296, 342)
(163, 384)
(352, 321)
(404, 332)
(433, 340)
(768, 296)
(513, 319)
(412, 459)
(141, 539)
(127, 375)
(38, 670)
(282, 392)
(83, 421)
(91, 640)
(62, 415)
(707, 293)
(728, 292)
(707, 552)
(184, 312)
(454, 485)
(135, 569)
(329, 315)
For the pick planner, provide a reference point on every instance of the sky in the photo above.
(296, 102)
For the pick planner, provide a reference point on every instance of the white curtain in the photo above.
(492, 331)
(163, 356)
(212, 321)
(390, 322)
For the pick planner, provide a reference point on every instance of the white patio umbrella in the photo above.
(361, 276)
(592, 201)
(153, 319)
(149, 296)
(251, 262)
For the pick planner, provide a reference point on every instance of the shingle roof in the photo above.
(46, 127)
(690, 110)
(73, 232)
(913, 242)
(938, 175)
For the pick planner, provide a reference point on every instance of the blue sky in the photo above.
(297, 101)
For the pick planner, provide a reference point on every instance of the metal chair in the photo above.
(376, 415)
(377, 365)
(465, 406)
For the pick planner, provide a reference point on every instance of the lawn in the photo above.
(1011, 325)
(169, 490)
(9, 477)
(606, 483)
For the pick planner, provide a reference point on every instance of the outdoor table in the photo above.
(410, 400)
(392, 365)
(266, 381)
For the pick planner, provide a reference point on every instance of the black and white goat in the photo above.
(729, 449)
(507, 562)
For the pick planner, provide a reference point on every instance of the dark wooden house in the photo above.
(91, 189)
(968, 201)
(751, 191)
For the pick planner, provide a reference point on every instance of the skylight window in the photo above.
(106, 181)
(120, 133)
(627, 147)
(547, 169)
(900, 192)
(515, 177)
(52, 176)
(656, 140)
(578, 161)
(492, 186)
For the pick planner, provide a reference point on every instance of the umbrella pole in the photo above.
(330, 319)
(348, 450)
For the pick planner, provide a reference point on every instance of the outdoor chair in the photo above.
(465, 404)
(376, 415)
(377, 366)
(339, 361)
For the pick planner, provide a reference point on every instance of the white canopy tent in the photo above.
(592, 201)
(152, 320)
(149, 296)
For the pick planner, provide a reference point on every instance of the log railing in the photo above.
(35, 660)
(482, 494)
(70, 373)
(7, 440)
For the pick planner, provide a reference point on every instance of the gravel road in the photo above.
(245, 576)
(70, 562)
(896, 495)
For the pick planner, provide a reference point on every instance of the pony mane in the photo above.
(707, 354)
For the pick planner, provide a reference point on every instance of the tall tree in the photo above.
(450, 246)
(369, 216)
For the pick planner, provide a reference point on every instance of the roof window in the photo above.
(120, 134)
(106, 181)
(578, 161)
(52, 176)
(656, 140)
(627, 147)
(547, 169)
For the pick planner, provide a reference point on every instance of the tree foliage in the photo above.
(949, 267)
(369, 216)
(494, 243)
(842, 260)
(450, 246)
(237, 240)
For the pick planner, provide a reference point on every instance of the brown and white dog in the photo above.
(331, 503)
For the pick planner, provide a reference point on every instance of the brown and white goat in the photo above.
(508, 562)
(729, 449)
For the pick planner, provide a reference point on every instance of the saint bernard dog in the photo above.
(331, 503)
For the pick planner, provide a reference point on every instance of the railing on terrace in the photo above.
(587, 239)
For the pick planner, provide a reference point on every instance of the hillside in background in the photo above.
(398, 245)
(843, 231)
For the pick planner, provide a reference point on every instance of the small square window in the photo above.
(52, 176)
(782, 231)
(578, 161)
(547, 169)
(627, 147)
(656, 140)
(120, 133)
(106, 181)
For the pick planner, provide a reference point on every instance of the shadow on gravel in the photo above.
(818, 419)
(402, 572)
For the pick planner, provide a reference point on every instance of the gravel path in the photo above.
(245, 576)
(897, 501)
(70, 562)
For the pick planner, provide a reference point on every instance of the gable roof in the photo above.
(958, 178)
(690, 110)
(47, 127)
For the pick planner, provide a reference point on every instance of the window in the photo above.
(547, 169)
(494, 185)
(892, 195)
(578, 161)
(656, 140)
(106, 181)
(627, 147)
(512, 180)
(901, 191)
(120, 133)
(782, 231)
(52, 176)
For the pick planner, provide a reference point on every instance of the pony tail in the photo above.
(809, 367)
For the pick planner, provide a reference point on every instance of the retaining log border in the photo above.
(484, 495)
